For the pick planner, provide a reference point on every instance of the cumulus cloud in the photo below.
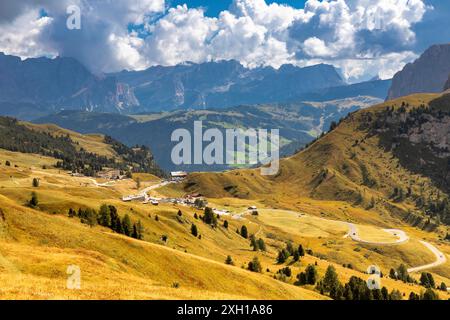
(20, 36)
(103, 44)
(362, 37)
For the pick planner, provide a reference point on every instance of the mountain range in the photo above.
(38, 87)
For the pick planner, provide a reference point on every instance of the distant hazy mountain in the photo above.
(299, 123)
(224, 84)
(427, 74)
(373, 88)
(34, 87)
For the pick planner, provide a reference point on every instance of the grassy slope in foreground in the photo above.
(36, 246)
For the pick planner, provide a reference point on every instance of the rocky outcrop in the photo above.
(429, 73)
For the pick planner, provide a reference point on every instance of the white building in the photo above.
(178, 175)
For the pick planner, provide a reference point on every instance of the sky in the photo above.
(362, 38)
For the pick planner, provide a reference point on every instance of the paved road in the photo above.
(402, 238)
(401, 235)
(106, 184)
(440, 258)
(156, 186)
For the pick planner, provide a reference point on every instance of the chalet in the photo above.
(139, 197)
(109, 174)
(178, 175)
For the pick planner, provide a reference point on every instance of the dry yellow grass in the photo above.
(37, 245)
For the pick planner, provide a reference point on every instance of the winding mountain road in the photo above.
(440, 258)
(401, 235)
(402, 238)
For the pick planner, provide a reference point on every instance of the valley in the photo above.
(299, 123)
(114, 266)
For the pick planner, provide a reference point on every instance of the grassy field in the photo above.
(310, 206)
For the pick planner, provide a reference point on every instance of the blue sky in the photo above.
(214, 7)
(363, 38)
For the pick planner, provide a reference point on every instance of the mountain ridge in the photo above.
(36, 87)
(427, 74)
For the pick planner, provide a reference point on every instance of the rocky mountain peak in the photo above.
(429, 73)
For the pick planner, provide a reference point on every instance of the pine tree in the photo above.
(414, 296)
(253, 243)
(261, 244)
(430, 295)
(337, 292)
(229, 261)
(385, 293)
(255, 265)
(392, 274)
(140, 230)
(138, 183)
(119, 227)
(330, 279)
(301, 278)
(301, 251)
(105, 216)
(91, 217)
(72, 213)
(427, 280)
(34, 201)
(311, 274)
(134, 234)
(126, 225)
(35, 182)
(402, 273)
(209, 217)
(395, 295)
(290, 248)
(194, 230)
(348, 294)
(244, 232)
(283, 255)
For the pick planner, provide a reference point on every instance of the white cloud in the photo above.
(20, 37)
(363, 37)
(182, 35)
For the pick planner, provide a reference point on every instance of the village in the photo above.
(194, 200)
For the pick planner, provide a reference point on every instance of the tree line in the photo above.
(17, 137)
(108, 217)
